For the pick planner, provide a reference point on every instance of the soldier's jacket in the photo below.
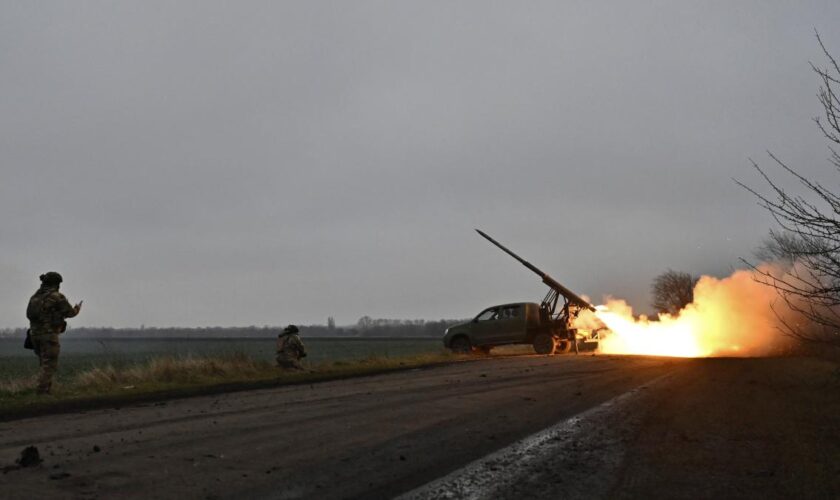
(54, 309)
(290, 346)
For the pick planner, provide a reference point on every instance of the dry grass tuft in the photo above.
(18, 385)
(173, 370)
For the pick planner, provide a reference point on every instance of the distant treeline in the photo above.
(366, 327)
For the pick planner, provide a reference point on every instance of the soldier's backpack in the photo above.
(35, 312)
(35, 308)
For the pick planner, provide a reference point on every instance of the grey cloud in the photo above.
(209, 163)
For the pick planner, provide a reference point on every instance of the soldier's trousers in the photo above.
(47, 349)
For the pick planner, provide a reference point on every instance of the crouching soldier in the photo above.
(47, 311)
(290, 349)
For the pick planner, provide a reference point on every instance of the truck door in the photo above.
(510, 325)
(484, 327)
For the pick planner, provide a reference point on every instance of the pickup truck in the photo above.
(517, 323)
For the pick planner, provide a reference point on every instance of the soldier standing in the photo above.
(290, 349)
(47, 311)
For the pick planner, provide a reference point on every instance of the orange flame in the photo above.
(733, 316)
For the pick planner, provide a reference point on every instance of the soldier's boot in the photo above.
(45, 379)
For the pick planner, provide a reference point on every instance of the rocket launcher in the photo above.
(550, 301)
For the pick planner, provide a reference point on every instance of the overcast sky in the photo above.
(237, 163)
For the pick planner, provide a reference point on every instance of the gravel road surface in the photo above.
(528, 427)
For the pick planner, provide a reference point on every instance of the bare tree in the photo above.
(672, 291)
(809, 238)
(782, 247)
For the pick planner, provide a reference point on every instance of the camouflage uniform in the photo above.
(45, 330)
(290, 350)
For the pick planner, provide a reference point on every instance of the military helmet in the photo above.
(291, 329)
(51, 278)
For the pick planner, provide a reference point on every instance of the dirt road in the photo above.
(590, 426)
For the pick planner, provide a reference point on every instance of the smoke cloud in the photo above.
(732, 316)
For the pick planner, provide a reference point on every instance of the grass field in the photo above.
(101, 372)
(80, 355)
(96, 371)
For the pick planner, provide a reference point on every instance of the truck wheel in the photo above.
(461, 345)
(564, 346)
(545, 343)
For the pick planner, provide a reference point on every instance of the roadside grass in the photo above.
(175, 376)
